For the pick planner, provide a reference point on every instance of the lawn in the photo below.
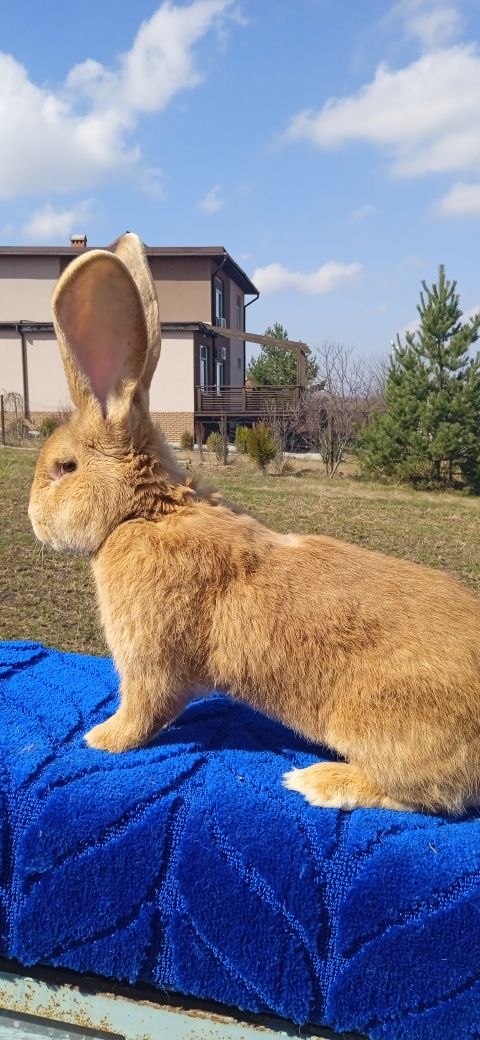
(50, 598)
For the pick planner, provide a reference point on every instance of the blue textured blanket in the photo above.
(189, 866)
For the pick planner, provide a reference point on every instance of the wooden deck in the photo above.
(246, 401)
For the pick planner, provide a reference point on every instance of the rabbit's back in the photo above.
(376, 657)
(288, 619)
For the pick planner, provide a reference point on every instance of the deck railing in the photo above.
(242, 400)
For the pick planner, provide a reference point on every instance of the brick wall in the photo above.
(173, 424)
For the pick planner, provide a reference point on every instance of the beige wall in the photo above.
(26, 286)
(236, 363)
(184, 287)
(172, 384)
(47, 386)
(11, 380)
(237, 346)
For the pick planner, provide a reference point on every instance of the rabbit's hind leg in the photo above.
(338, 785)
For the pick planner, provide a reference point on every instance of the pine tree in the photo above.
(430, 429)
(275, 366)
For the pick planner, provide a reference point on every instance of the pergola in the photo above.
(299, 348)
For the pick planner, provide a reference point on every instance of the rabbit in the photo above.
(374, 657)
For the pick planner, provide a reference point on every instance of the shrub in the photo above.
(261, 444)
(19, 428)
(199, 438)
(215, 444)
(186, 441)
(241, 433)
(48, 425)
(282, 466)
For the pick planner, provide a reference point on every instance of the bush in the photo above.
(215, 444)
(186, 441)
(48, 425)
(19, 428)
(261, 444)
(241, 434)
(282, 466)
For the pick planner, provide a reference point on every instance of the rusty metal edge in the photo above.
(134, 1012)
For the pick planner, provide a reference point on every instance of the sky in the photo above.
(332, 147)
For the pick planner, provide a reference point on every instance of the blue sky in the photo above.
(332, 148)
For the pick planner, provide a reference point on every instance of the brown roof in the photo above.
(217, 253)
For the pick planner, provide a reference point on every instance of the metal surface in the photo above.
(131, 1014)
(29, 1027)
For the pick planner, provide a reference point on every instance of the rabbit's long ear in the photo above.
(130, 249)
(101, 329)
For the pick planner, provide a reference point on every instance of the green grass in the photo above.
(44, 596)
(50, 598)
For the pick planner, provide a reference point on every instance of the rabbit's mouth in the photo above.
(40, 529)
(50, 534)
(36, 525)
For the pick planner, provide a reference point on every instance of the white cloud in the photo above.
(212, 201)
(426, 116)
(432, 24)
(414, 261)
(48, 224)
(463, 200)
(468, 315)
(277, 278)
(357, 215)
(73, 137)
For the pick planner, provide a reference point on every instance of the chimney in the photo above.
(78, 241)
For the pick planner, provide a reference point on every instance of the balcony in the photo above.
(246, 401)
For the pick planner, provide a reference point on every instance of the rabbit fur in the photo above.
(375, 657)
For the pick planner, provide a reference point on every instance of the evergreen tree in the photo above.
(430, 429)
(275, 366)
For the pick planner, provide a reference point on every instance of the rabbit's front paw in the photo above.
(114, 736)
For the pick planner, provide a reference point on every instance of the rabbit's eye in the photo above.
(66, 467)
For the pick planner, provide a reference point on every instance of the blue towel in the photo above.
(187, 865)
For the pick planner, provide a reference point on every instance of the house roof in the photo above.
(217, 253)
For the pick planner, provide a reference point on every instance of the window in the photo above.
(219, 375)
(219, 301)
(203, 367)
(239, 312)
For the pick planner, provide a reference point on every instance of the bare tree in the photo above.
(284, 421)
(332, 412)
(224, 435)
(377, 370)
(200, 437)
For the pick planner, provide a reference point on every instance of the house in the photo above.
(203, 295)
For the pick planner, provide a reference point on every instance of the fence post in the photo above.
(2, 419)
(224, 436)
